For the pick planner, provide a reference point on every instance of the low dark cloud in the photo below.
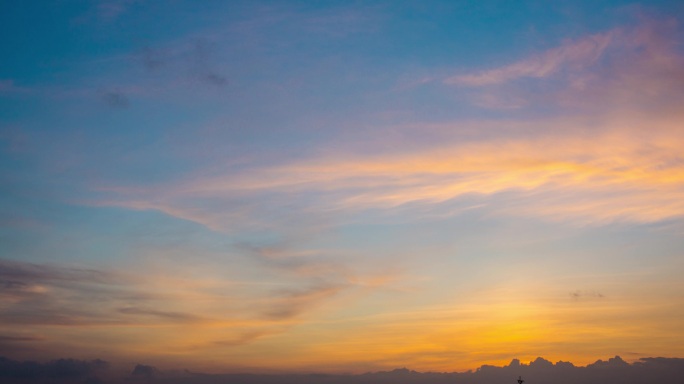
(33, 294)
(20, 338)
(56, 371)
(144, 371)
(10, 285)
(649, 370)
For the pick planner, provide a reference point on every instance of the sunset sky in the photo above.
(341, 186)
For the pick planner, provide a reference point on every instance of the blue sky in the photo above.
(341, 186)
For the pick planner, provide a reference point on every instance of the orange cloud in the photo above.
(616, 173)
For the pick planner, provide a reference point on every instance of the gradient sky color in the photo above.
(342, 186)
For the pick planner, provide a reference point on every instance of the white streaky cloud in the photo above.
(616, 157)
(615, 174)
(573, 54)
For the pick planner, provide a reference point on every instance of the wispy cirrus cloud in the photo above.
(222, 313)
(554, 175)
(291, 303)
(110, 10)
(575, 54)
(618, 71)
(594, 164)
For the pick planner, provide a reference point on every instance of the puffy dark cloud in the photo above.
(144, 371)
(615, 370)
(56, 371)
(650, 370)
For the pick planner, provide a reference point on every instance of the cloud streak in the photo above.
(594, 167)
(574, 55)
(216, 314)
(291, 303)
(574, 177)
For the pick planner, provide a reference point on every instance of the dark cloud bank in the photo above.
(649, 370)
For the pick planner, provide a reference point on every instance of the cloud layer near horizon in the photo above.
(646, 370)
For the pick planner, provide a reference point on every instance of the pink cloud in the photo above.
(573, 54)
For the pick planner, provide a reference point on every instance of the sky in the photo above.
(341, 186)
